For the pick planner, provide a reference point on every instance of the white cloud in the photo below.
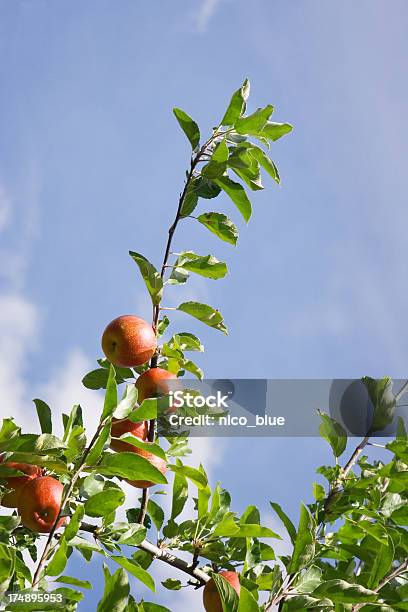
(205, 13)
(18, 333)
(5, 208)
(64, 389)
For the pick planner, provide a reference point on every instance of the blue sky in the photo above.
(92, 161)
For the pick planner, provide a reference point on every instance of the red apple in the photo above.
(211, 597)
(155, 383)
(158, 463)
(39, 504)
(16, 483)
(129, 341)
(119, 427)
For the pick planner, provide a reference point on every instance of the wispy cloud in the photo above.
(205, 13)
(5, 207)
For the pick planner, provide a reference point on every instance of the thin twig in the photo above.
(143, 507)
(403, 567)
(347, 468)
(163, 555)
(157, 308)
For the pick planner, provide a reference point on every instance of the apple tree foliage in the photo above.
(350, 543)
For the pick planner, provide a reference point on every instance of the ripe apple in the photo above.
(16, 483)
(155, 383)
(158, 463)
(211, 597)
(119, 427)
(129, 341)
(39, 504)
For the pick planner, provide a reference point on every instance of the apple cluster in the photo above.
(129, 341)
(36, 497)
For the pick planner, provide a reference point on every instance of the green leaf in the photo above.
(204, 495)
(136, 570)
(254, 123)
(221, 152)
(189, 127)
(74, 419)
(59, 559)
(220, 503)
(196, 476)
(31, 443)
(340, 591)
(220, 225)
(227, 526)
(391, 502)
(184, 341)
(274, 131)
(257, 531)
(162, 325)
(151, 447)
(111, 395)
(104, 502)
(304, 546)
(381, 564)
(247, 602)
(152, 607)
(266, 163)
(250, 516)
(151, 277)
(96, 451)
(83, 584)
(98, 379)
(172, 584)
(207, 266)
(178, 275)
(206, 188)
(127, 403)
(213, 169)
(74, 523)
(237, 194)
(47, 461)
(7, 564)
(150, 409)
(134, 535)
(310, 580)
(290, 528)
(116, 592)
(318, 492)
(229, 597)
(246, 167)
(237, 104)
(333, 433)
(130, 466)
(193, 368)
(156, 512)
(204, 313)
(254, 531)
(8, 430)
(190, 200)
(44, 416)
(180, 493)
(305, 602)
(383, 400)
(70, 595)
